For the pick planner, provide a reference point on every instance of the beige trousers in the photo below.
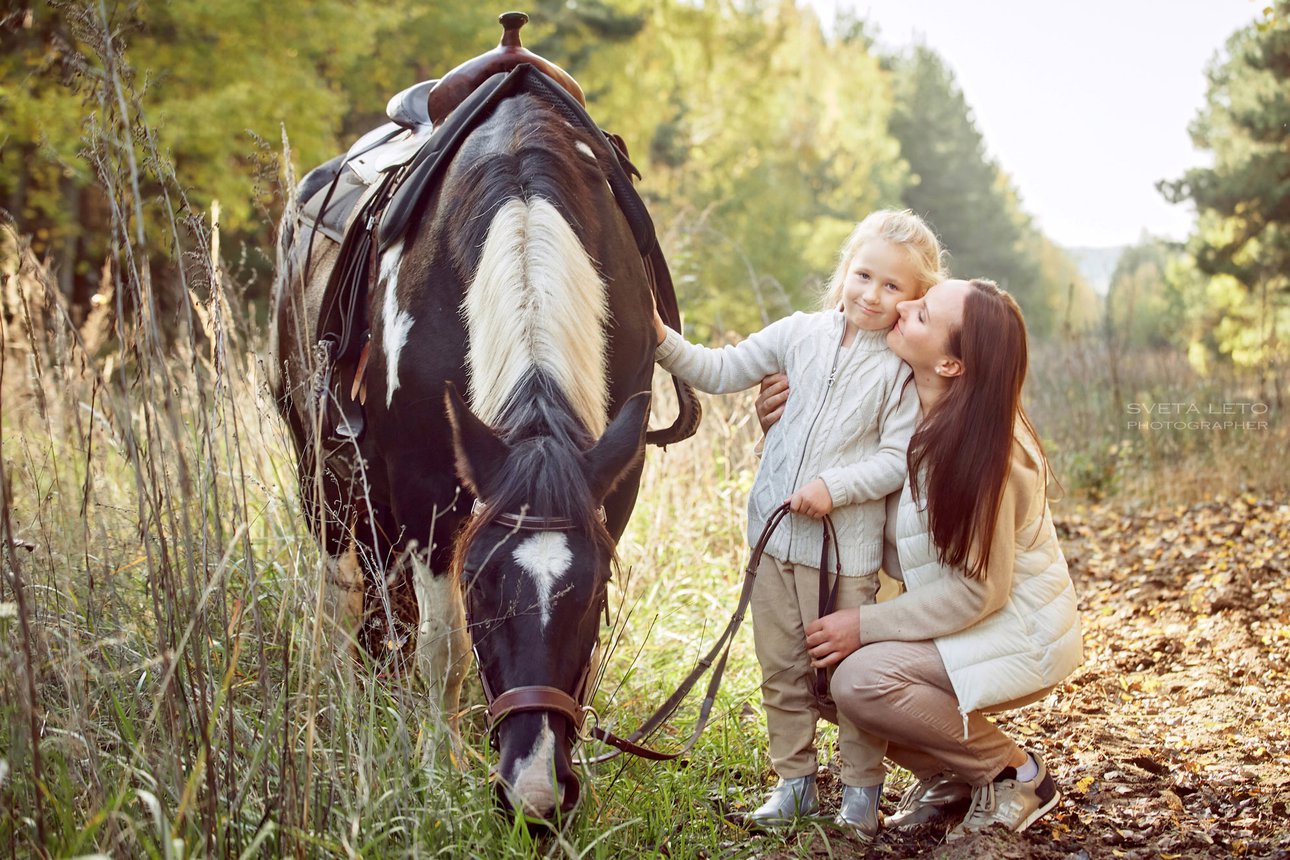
(785, 599)
(900, 691)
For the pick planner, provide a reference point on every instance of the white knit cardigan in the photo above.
(848, 422)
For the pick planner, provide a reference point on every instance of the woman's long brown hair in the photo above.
(963, 449)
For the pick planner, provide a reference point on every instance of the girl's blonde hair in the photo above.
(902, 228)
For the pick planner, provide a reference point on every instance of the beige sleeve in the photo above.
(956, 602)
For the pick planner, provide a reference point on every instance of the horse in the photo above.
(504, 411)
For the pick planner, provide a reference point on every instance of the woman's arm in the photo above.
(947, 605)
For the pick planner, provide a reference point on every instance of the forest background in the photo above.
(142, 173)
(762, 139)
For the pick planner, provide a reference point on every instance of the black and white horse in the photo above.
(518, 283)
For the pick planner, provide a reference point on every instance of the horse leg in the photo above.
(343, 598)
(442, 644)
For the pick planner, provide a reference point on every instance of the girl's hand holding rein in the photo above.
(814, 499)
(833, 638)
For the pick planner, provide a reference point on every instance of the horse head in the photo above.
(534, 565)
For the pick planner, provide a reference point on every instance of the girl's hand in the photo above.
(771, 399)
(833, 638)
(814, 499)
(660, 329)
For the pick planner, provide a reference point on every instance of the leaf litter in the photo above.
(1172, 740)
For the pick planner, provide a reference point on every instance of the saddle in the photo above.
(366, 198)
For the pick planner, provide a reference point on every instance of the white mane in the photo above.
(536, 302)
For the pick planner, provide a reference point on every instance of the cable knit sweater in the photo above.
(848, 422)
(1007, 635)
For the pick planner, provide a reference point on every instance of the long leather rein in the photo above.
(571, 706)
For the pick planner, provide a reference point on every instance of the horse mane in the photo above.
(544, 471)
(541, 160)
(542, 385)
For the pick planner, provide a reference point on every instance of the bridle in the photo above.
(530, 697)
(571, 707)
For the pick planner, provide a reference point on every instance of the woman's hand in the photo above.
(771, 399)
(833, 638)
(814, 499)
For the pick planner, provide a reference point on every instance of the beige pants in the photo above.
(900, 691)
(785, 599)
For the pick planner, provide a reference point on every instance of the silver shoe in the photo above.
(858, 811)
(928, 800)
(789, 799)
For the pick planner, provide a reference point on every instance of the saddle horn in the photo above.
(453, 88)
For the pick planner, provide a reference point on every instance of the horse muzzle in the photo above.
(535, 776)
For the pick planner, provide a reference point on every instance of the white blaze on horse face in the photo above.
(533, 788)
(582, 147)
(545, 557)
(537, 301)
(395, 323)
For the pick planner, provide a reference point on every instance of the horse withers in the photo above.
(518, 281)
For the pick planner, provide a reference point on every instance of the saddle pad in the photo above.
(394, 152)
(331, 207)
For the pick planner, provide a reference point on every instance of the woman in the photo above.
(989, 618)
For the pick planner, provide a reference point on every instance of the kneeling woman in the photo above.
(989, 618)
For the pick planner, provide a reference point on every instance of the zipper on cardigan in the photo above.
(810, 431)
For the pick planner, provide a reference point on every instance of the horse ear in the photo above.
(479, 452)
(619, 449)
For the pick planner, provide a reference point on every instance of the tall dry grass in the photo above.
(1147, 428)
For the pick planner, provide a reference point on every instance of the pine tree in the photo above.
(1242, 235)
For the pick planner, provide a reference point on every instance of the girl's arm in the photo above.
(729, 368)
(881, 473)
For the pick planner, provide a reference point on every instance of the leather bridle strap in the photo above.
(714, 659)
(535, 698)
(828, 596)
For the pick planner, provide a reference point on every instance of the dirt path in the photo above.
(1173, 738)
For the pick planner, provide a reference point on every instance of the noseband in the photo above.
(533, 697)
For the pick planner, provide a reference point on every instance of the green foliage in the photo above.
(1242, 237)
(762, 141)
(762, 138)
(1143, 307)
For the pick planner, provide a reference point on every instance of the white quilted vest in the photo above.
(1032, 643)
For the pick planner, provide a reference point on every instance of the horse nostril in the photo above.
(570, 793)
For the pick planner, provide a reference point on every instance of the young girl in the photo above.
(839, 449)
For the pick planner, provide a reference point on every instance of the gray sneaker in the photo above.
(788, 800)
(929, 800)
(858, 811)
(1010, 802)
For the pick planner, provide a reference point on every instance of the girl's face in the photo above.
(921, 335)
(879, 277)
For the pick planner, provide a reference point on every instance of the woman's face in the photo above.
(921, 334)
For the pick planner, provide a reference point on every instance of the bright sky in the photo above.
(1086, 105)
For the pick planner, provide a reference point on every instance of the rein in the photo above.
(555, 700)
